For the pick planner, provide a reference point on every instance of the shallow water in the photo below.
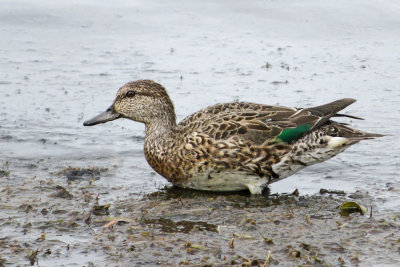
(61, 63)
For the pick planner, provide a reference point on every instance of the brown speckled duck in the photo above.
(231, 146)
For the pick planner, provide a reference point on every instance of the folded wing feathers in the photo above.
(269, 121)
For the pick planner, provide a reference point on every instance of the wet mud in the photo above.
(66, 222)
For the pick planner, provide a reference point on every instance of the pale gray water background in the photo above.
(61, 62)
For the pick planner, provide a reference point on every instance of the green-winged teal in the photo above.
(231, 146)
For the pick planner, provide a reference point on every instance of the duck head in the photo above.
(143, 101)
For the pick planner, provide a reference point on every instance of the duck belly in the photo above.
(228, 181)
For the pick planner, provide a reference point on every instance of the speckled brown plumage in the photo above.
(231, 146)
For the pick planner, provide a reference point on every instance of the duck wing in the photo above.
(259, 123)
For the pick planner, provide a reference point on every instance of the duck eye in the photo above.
(130, 94)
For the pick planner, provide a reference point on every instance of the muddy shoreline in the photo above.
(55, 223)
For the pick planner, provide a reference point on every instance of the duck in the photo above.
(231, 146)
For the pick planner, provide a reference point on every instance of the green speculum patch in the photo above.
(291, 134)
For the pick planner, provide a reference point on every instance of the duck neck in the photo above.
(162, 127)
(160, 135)
(161, 132)
(159, 143)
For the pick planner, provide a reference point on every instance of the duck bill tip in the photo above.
(109, 115)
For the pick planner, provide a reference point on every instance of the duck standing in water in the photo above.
(231, 146)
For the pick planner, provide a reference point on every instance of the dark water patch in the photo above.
(76, 173)
(62, 193)
(240, 199)
(100, 210)
(173, 192)
(31, 166)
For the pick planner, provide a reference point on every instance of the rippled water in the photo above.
(62, 62)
